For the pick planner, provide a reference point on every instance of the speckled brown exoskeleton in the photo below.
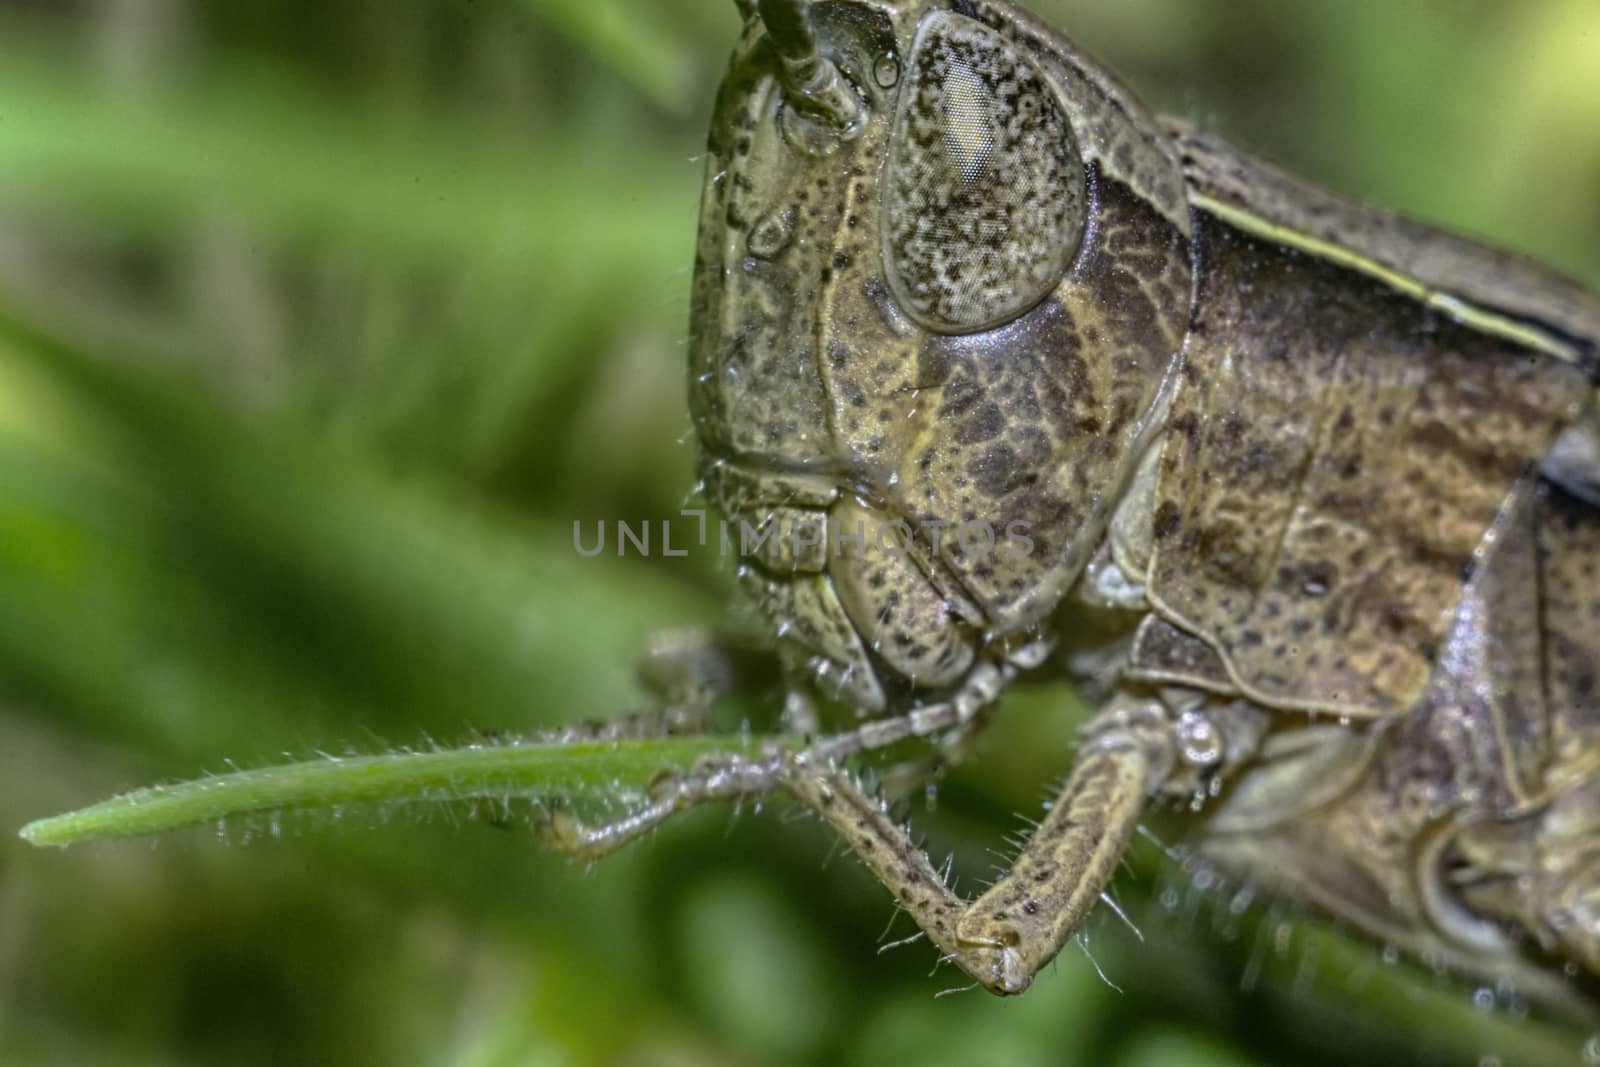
(995, 372)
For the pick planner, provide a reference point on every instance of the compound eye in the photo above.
(983, 195)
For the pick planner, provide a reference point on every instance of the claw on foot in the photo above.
(558, 830)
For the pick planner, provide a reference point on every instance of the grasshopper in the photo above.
(1307, 493)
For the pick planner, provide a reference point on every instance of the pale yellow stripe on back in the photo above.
(1456, 308)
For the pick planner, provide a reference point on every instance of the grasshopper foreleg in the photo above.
(1003, 937)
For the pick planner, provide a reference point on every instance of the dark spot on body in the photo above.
(959, 396)
(997, 471)
(1256, 459)
(1167, 519)
(984, 424)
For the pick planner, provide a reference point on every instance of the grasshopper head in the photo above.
(942, 269)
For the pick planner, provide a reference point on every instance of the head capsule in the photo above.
(942, 274)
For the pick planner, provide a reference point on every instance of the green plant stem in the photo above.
(613, 770)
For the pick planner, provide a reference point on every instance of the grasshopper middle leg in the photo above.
(720, 777)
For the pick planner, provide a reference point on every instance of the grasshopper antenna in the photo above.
(812, 81)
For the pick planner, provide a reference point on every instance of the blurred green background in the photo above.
(365, 303)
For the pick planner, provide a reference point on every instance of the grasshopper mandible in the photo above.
(1321, 485)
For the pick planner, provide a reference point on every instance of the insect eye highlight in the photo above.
(983, 196)
(969, 138)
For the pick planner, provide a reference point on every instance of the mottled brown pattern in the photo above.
(1480, 804)
(1034, 423)
(1568, 549)
(1164, 654)
(902, 618)
(751, 386)
(1337, 455)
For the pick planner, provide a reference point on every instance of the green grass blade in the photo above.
(620, 35)
(613, 770)
(296, 171)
